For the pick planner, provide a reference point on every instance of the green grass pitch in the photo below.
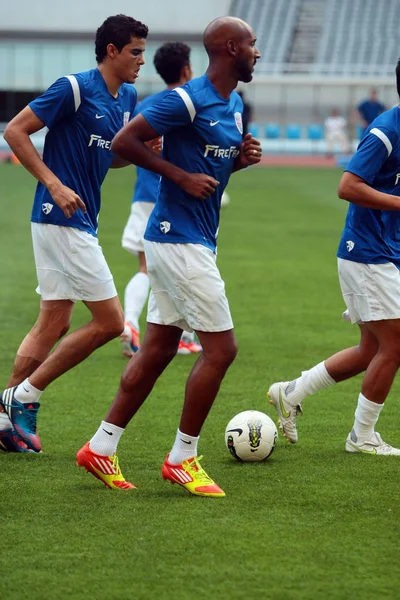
(311, 523)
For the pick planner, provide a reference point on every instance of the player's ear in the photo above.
(186, 73)
(112, 51)
(231, 47)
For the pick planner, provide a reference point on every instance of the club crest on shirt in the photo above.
(47, 208)
(165, 226)
(238, 121)
(127, 114)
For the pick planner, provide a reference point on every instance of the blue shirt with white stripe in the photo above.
(202, 134)
(82, 117)
(147, 182)
(370, 235)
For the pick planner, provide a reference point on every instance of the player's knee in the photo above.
(230, 352)
(52, 329)
(224, 355)
(112, 328)
(161, 356)
(64, 330)
(59, 329)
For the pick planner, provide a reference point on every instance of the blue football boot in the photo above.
(21, 436)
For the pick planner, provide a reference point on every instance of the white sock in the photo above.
(366, 415)
(316, 379)
(106, 438)
(188, 337)
(136, 293)
(310, 382)
(26, 393)
(185, 447)
(5, 422)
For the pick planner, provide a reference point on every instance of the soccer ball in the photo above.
(251, 436)
(225, 199)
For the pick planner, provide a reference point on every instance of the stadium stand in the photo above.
(359, 38)
(275, 26)
(324, 37)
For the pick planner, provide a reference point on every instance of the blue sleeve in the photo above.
(56, 103)
(372, 153)
(172, 112)
(137, 110)
(134, 105)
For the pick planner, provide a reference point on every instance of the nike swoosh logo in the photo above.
(109, 432)
(100, 116)
(212, 123)
(284, 412)
(363, 451)
(25, 390)
(240, 431)
(184, 441)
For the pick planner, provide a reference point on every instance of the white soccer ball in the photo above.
(225, 199)
(251, 436)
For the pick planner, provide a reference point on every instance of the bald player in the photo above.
(202, 127)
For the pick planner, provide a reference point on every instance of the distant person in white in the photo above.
(336, 133)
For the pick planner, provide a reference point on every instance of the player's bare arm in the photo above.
(154, 145)
(356, 190)
(130, 144)
(17, 135)
(250, 153)
(119, 163)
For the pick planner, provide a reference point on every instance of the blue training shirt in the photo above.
(370, 235)
(202, 134)
(370, 110)
(147, 182)
(82, 117)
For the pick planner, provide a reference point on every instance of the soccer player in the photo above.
(172, 63)
(202, 128)
(370, 109)
(336, 133)
(368, 265)
(83, 112)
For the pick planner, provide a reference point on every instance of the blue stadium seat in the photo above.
(315, 132)
(293, 132)
(272, 131)
(253, 129)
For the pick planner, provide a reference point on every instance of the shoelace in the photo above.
(195, 469)
(386, 447)
(115, 464)
(299, 410)
(30, 416)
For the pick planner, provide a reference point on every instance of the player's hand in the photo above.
(199, 185)
(250, 151)
(66, 199)
(155, 145)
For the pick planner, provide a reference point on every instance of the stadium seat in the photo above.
(253, 129)
(315, 132)
(272, 131)
(293, 132)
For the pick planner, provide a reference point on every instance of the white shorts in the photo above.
(371, 292)
(187, 288)
(132, 238)
(70, 265)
